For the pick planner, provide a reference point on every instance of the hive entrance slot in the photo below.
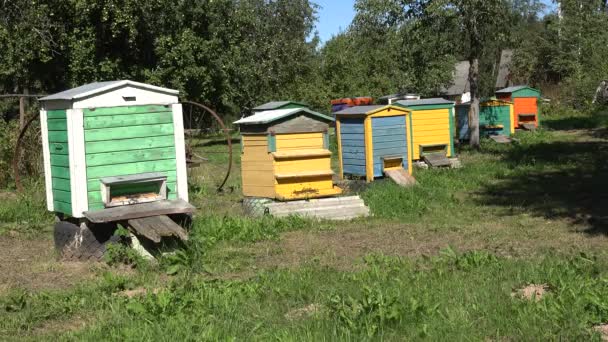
(392, 163)
(133, 189)
(527, 117)
(433, 149)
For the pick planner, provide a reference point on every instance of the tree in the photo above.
(482, 21)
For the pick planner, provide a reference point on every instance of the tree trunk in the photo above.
(474, 108)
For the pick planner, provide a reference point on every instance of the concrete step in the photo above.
(319, 209)
(315, 202)
(341, 208)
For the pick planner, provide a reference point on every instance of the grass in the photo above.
(442, 260)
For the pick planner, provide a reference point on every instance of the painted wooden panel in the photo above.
(299, 141)
(305, 164)
(57, 124)
(352, 135)
(112, 158)
(124, 110)
(59, 148)
(58, 136)
(303, 187)
(128, 140)
(430, 127)
(61, 184)
(127, 132)
(62, 196)
(129, 144)
(388, 139)
(59, 160)
(62, 207)
(526, 92)
(527, 106)
(128, 120)
(130, 168)
(57, 114)
(257, 170)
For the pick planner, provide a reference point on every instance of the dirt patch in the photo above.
(343, 248)
(62, 325)
(533, 292)
(137, 292)
(602, 329)
(31, 264)
(307, 311)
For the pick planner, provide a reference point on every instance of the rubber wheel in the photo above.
(83, 243)
(256, 206)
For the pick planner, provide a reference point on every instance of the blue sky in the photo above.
(336, 15)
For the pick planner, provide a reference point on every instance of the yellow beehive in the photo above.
(285, 155)
(432, 126)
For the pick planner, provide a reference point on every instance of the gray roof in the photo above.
(423, 102)
(100, 87)
(359, 109)
(512, 89)
(276, 105)
(503, 78)
(268, 116)
(460, 80)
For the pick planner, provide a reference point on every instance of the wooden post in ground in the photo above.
(21, 112)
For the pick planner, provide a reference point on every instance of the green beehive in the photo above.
(106, 142)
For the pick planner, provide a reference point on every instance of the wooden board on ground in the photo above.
(156, 227)
(401, 177)
(134, 211)
(436, 160)
(501, 139)
(528, 126)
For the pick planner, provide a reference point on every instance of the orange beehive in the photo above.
(525, 104)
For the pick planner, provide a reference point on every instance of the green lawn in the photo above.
(443, 260)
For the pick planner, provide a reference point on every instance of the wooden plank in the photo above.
(124, 110)
(58, 148)
(141, 227)
(436, 160)
(304, 174)
(105, 134)
(401, 177)
(130, 168)
(111, 158)
(56, 114)
(60, 160)
(57, 125)
(301, 153)
(501, 139)
(166, 226)
(58, 137)
(60, 184)
(137, 178)
(60, 172)
(133, 144)
(62, 207)
(62, 196)
(134, 211)
(111, 121)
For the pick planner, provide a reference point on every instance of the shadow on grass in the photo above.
(556, 180)
(597, 118)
